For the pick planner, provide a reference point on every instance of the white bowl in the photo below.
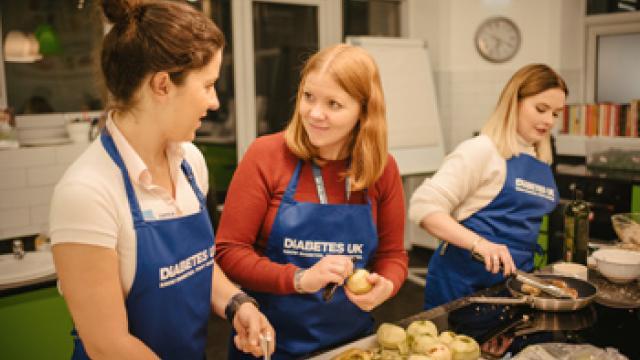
(618, 265)
(571, 269)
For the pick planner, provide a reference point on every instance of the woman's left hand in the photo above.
(381, 291)
(250, 324)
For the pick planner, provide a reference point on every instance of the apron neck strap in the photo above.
(110, 147)
(186, 169)
(320, 188)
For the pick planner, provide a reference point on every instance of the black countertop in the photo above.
(582, 170)
(596, 324)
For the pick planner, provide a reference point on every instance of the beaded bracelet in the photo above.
(297, 277)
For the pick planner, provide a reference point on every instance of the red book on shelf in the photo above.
(615, 119)
(606, 119)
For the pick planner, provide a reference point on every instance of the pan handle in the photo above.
(501, 300)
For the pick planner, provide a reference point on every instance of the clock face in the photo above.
(497, 39)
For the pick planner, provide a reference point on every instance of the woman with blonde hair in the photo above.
(308, 205)
(491, 192)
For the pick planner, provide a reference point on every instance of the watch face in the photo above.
(497, 39)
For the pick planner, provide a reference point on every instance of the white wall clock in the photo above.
(497, 39)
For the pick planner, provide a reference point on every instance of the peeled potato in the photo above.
(421, 327)
(447, 337)
(392, 337)
(438, 351)
(465, 348)
(420, 344)
(357, 283)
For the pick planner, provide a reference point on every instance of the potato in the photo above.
(447, 337)
(465, 348)
(421, 327)
(438, 351)
(420, 344)
(392, 337)
(357, 283)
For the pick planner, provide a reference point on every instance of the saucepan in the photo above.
(586, 293)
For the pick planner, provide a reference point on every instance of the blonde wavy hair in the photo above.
(355, 71)
(502, 126)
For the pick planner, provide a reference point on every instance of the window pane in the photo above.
(64, 80)
(216, 138)
(284, 37)
(618, 78)
(611, 6)
(372, 17)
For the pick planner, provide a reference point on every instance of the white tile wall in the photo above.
(467, 98)
(26, 185)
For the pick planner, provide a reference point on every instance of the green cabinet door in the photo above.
(35, 325)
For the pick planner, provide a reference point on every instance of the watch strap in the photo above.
(235, 302)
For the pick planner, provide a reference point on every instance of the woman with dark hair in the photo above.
(491, 192)
(305, 202)
(132, 240)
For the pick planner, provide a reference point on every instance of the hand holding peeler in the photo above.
(330, 289)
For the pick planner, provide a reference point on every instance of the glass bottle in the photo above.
(576, 230)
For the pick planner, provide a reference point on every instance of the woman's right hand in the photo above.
(494, 255)
(330, 269)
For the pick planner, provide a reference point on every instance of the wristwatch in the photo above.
(235, 302)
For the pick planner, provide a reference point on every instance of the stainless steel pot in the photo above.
(586, 293)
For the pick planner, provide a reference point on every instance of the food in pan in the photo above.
(532, 290)
(357, 283)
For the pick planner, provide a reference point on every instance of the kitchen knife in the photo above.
(330, 289)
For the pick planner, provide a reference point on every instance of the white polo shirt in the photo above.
(90, 205)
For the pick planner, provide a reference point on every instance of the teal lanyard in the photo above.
(322, 193)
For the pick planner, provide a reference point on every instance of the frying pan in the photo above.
(586, 293)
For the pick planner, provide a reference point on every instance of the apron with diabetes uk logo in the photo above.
(302, 234)
(512, 218)
(169, 303)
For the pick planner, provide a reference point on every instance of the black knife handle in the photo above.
(330, 289)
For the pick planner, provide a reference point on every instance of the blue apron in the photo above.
(512, 218)
(302, 233)
(169, 303)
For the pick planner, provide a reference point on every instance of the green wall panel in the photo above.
(35, 325)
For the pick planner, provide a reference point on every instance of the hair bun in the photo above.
(119, 11)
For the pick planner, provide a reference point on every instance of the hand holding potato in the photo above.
(330, 269)
(381, 290)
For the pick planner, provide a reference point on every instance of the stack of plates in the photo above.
(42, 130)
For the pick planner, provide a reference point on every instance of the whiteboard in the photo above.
(415, 135)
